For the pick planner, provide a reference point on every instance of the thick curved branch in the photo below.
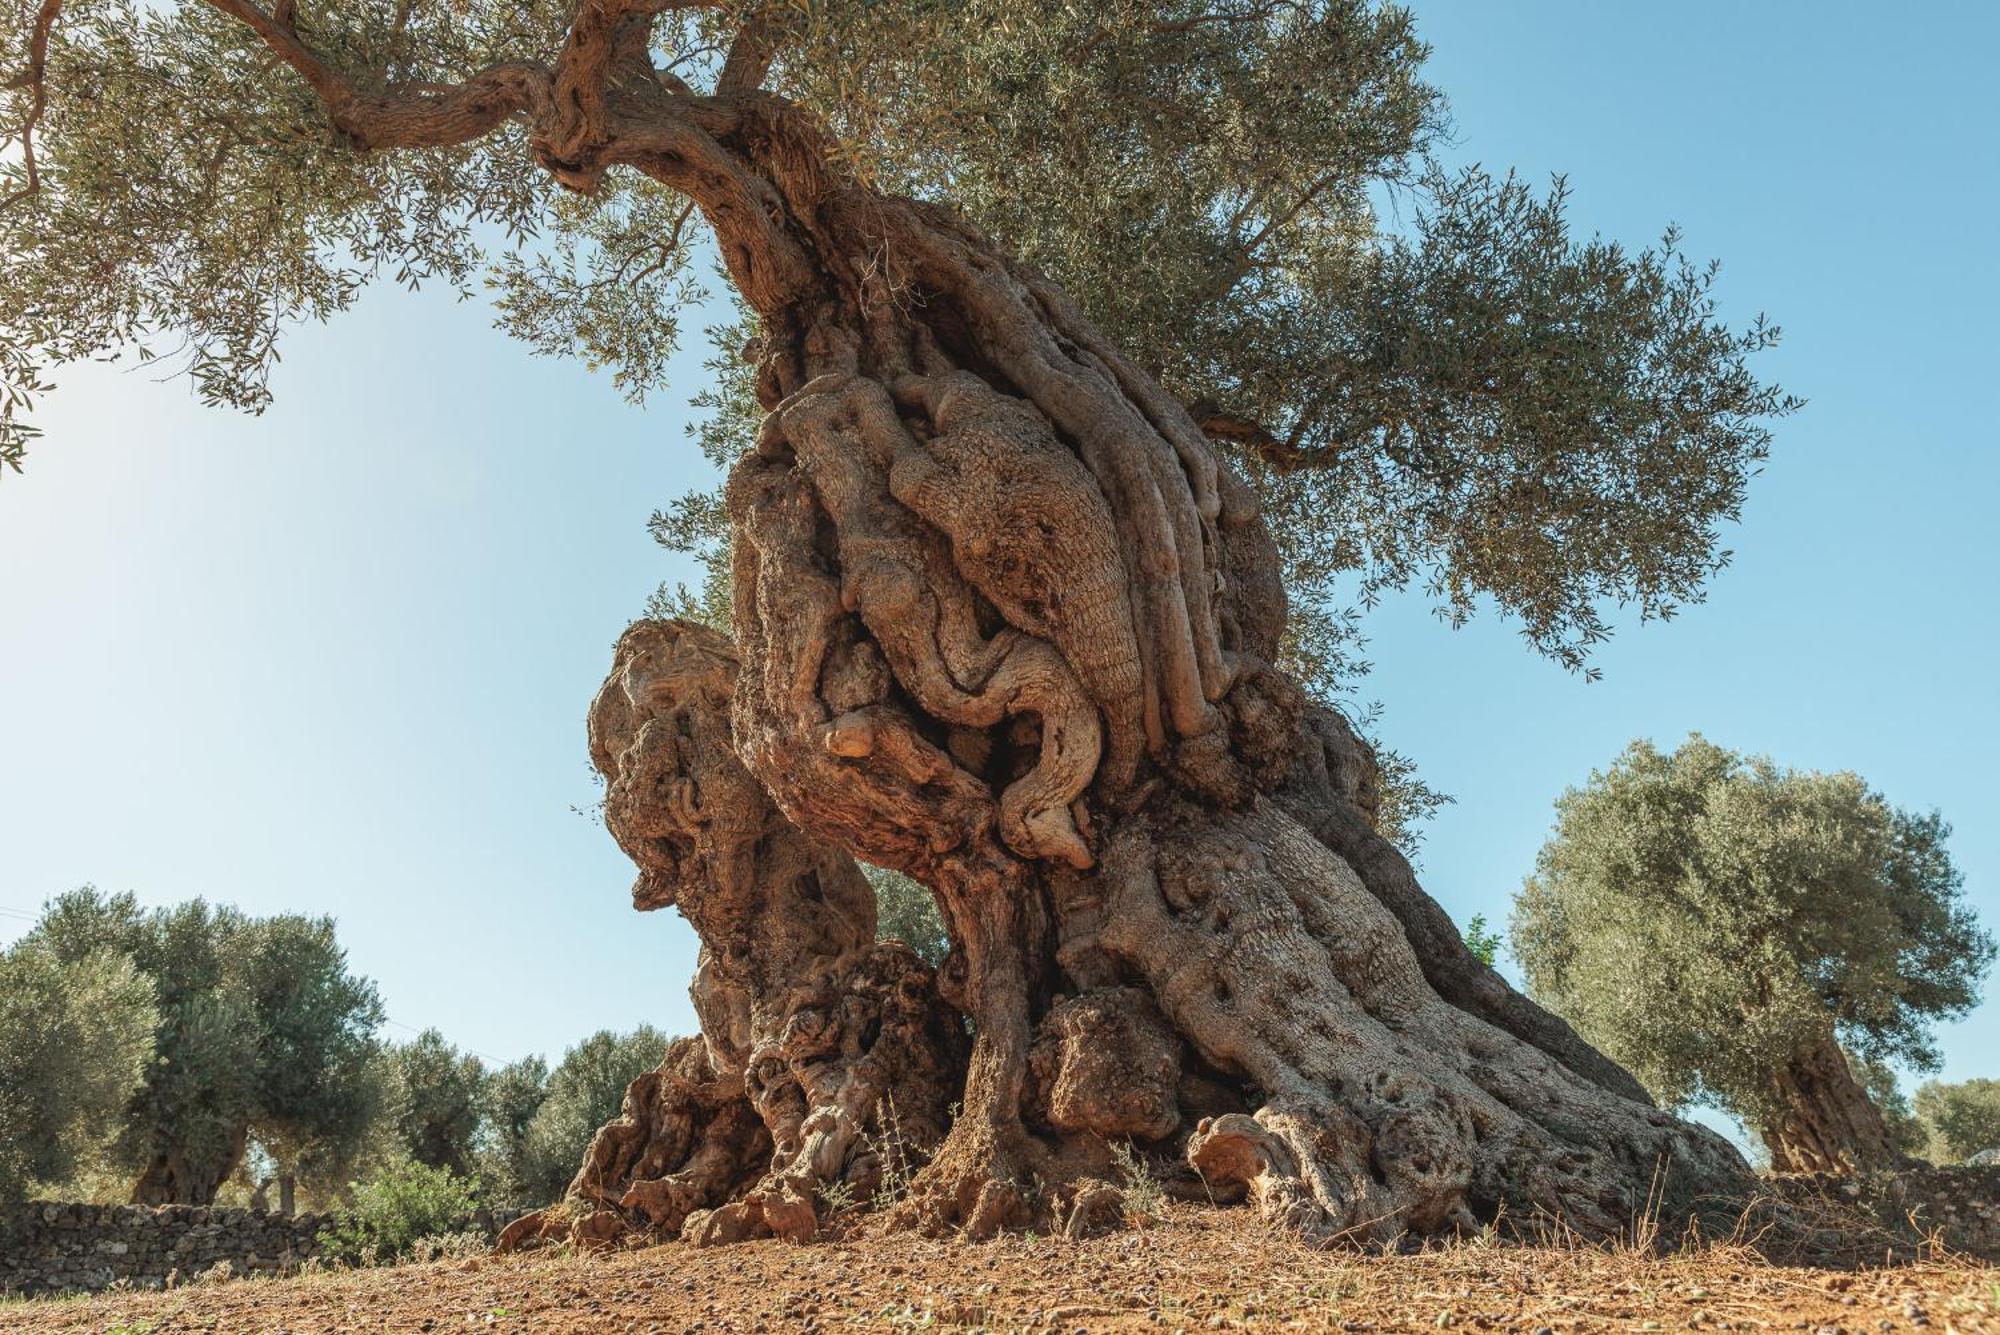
(1254, 438)
(35, 79)
(749, 58)
(607, 44)
(665, 138)
(429, 116)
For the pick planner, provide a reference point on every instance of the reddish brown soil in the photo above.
(1202, 1271)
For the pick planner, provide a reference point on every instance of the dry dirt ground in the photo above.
(1201, 1270)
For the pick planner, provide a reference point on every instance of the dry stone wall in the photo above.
(1958, 1206)
(1962, 1204)
(48, 1247)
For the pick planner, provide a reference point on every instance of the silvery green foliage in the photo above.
(75, 1037)
(1467, 396)
(262, 1032)
(1463, 395)
(1703, 917)
(509, 1100)
(193, 203)
(438, 1097)
(906, 912)
(1960, 1121)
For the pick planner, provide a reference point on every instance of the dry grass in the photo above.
(1200, 1270)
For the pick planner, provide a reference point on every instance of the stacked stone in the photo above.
(57, 1247)
(1963, 1203)
(1958, 1204)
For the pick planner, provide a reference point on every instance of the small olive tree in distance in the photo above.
(1724, 928)
(1959, 1120)
(75, 1037)
(263, 1035)
(439, 1100)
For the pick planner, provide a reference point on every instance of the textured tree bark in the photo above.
(825, 1055)
(1007, 623)
(176, 1177)
(1828, 1123)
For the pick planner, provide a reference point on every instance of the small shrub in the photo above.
(898, 1167)
(456, 1246)
(393, 1212)
(1145, 1199)
(836, 1196)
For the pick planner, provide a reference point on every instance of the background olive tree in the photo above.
(263, 1035)
(75, 1040)
(438, 1093)
(1958, 1120)
(1731, 931)
(509, 1100)
(517, 1130)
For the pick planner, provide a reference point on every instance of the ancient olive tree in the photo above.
(1732, 931)
(1074, 338)
(263, 1037)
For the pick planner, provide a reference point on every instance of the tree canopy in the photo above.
(1958, 1120)
(262, 1033)
(904, 911)
(511, 1097)
(1713, 921)
(1461, 391)
(75, 1038)
(439, 1094)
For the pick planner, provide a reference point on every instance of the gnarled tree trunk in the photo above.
(826, 1057)
(178, 1176)
(1826, 1123)
(1007, 623)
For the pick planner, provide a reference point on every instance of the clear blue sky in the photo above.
(337, 658)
